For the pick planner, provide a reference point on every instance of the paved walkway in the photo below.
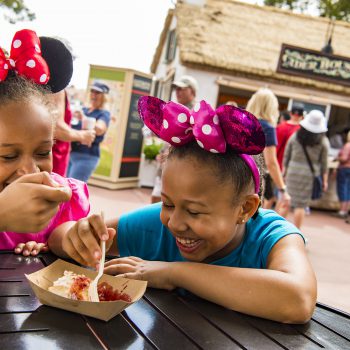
(328, 241)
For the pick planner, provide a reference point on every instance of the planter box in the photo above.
(148, 172)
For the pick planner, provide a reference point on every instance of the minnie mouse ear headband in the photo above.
(46, 61)
(213, 130)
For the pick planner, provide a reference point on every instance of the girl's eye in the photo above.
(44, 154)
(9, 157)
(167, 205)
(194, 213)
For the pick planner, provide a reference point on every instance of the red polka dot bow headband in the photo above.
(227, 126)
(25, 58)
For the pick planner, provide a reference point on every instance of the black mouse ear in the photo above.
(60, 62)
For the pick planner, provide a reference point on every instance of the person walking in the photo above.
(83, 158)
(309, 142)
(286, 129)
(343, 178)
(64, 133)
(264, 105)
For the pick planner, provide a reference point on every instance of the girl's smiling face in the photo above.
(26, 139)
(200, 212)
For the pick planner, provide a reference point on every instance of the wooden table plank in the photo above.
(160, 332)
(118, 334)
(14, 267)
(283, 334)
(189, 321)
(65, 330)
(14, 322)
(9, 259)
(48, 258)
(19, 304)
(15, 288)
(327, 338)
(234, 325)
(333, 321)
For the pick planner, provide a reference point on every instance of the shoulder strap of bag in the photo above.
(308, 159)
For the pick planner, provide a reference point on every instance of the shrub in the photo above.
(151, 151)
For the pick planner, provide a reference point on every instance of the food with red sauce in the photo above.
(74, 286)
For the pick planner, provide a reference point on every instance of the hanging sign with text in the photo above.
(314, 64)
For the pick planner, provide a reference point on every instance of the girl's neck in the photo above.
(230, 246)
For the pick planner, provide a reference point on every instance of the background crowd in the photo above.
(296, 155)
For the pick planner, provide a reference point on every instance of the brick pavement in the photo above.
(328, 241)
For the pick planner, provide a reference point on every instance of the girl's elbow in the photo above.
(302, 309)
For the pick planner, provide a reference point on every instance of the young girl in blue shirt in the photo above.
(208, 235)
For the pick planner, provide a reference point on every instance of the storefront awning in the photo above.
(297, 93)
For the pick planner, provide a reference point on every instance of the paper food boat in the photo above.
(41, 280)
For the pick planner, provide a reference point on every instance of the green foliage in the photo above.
(15, 11)
(151, 151)
(339, 9)
(334, 9)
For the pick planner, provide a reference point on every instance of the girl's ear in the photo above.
(249, 207)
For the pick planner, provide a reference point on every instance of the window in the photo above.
(171, 46)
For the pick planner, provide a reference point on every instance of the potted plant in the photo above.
(148, 169)
(152, 150)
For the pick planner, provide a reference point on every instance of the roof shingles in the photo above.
(237, 37)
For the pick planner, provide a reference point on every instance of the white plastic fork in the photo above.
(92, 291)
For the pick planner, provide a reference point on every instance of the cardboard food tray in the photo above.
(41, 280)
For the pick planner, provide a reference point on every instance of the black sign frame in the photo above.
(133, 141)
(318, 56)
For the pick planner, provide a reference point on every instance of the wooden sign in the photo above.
(314, 64)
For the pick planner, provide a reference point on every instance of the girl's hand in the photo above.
(31, 248)
(44, 196)
(82, 241)
(157, 273)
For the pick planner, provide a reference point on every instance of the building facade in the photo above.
(233, 49)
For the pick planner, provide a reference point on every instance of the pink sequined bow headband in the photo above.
(25, 58)
(213, 130)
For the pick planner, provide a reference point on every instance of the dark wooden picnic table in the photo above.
(160, 320)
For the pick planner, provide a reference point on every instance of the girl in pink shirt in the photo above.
(35, 67)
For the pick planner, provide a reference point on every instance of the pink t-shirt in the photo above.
(76, 208)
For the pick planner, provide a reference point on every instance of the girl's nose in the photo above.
(176, 222)
(28, 166)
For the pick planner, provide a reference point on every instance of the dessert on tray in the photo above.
(74, 286)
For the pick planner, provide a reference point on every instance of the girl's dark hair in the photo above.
(18, 89)
(308, 138)
(227, 166)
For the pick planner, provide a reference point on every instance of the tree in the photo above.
(334, 9)
(16, 10)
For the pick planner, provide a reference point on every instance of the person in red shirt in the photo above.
(65, 134)
(286, 129)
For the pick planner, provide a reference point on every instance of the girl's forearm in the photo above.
(56, 238)
(265, 293)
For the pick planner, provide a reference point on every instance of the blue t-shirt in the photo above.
(94, 150)
(141, 233)
(270, 133)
